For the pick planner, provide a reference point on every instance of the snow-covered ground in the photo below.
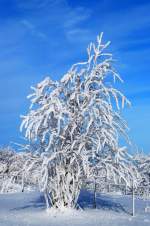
(28, 209)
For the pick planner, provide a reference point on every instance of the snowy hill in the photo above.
(28, 209)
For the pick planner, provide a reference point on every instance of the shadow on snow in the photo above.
(36, 203)
(104, 202)
(86, 200)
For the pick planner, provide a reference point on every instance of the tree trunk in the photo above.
(133, 200)
(95, 194)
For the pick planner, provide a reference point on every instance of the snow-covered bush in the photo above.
(76, 125)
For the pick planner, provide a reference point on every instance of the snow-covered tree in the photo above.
(15, 170)
(6, 155)
(75, 124)
(118, 168)
(142, 161)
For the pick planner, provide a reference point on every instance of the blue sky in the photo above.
(45, 37)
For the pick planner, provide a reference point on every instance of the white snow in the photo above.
(28, 209)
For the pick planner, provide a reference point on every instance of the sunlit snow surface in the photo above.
(28, 209)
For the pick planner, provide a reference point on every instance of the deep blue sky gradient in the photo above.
(45, 37)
